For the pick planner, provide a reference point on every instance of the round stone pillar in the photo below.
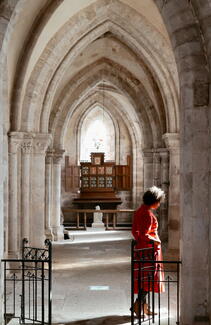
(48, 191)
(148, 169)
(156, 168)
(37, 229)
(172, 144)
(26, 150)
(57, 228)
(13, 198)
(163, 225)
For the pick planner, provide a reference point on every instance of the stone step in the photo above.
(92, 248)
(95, 235)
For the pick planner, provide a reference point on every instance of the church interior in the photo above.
(100, 100)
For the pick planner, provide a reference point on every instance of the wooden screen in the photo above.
(97, 175)
(72, 176)
(122, 173)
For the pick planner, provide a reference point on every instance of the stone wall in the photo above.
(188, 24)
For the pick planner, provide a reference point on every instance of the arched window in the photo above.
(97, 134)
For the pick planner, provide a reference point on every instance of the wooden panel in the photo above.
(97, 176)
(123, 178)
(72, 176)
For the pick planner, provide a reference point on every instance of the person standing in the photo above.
(145, 233)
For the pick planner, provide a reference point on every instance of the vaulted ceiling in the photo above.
(62, 52)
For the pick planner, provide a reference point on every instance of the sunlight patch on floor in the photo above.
(99, 288)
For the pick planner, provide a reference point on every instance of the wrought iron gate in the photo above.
(27, 285)
(164, 307)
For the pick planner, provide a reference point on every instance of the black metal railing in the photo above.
(151, 277)
(27, 286)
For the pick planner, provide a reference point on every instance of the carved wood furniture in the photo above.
(99, 181)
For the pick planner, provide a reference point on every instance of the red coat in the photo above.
(144, 231)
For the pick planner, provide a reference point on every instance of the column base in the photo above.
(14, 255)
(58, 233)
(12, 266)
(49, 234)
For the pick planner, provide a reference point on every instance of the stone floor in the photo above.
(91, 282)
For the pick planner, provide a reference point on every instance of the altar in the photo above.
(99, 182)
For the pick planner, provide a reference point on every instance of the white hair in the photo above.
(158, 192)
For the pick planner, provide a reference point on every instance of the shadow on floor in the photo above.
(107, 320)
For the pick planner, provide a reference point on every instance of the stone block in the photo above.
(190, 48)
(192, 63)
(182, 19)
(187, 34)
(206, 25)
(201, 93)
(172, 7)
(201, 142)
(209, 49)
(198, 163)
(187, 96)
(200, 119)
(201, 7)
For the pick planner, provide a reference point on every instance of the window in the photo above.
(97, 135)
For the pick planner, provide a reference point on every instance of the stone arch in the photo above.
(114, 108)
(103, 27)
(193, 73)
(115, 65)
(131, 88)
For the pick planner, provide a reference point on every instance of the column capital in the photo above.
(14, 146)
(27, 146)
(172, 140)
(29, 142)
(41, 142)
(148, 155)
(58, 155)
(14, 140)
(49, 156)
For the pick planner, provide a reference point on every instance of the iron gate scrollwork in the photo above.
(163, 308)
(28, 284)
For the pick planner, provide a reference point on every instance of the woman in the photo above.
(144, 230)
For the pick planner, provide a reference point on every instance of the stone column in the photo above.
(37, 229)
(56, 190)
(172, 144)
(148, 169)
(48, 193)
(163, 225)
(13, 202)
(26, 148)
(156, 168)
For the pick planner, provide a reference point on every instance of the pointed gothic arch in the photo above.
(41, 77)
(187, 23)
